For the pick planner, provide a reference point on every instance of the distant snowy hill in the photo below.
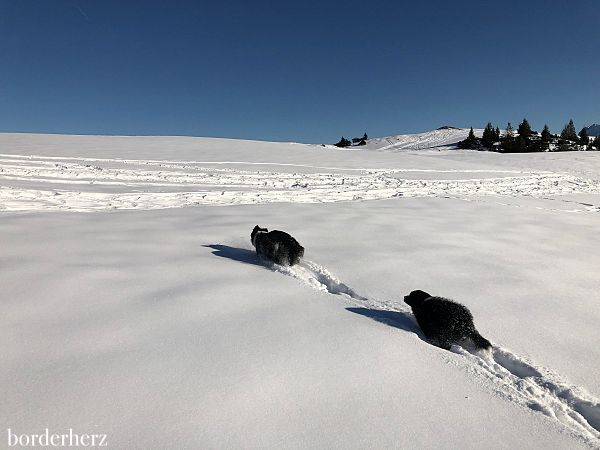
(594, 130)
(441, 138)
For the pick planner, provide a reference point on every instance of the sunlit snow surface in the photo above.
(34, 181)
(158, 325)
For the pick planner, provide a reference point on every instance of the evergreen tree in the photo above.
(343, 142)
(596, 143)
(568, 133)
(584, 138)
(546, 138)
(471, 135)
(521, 145)
(497, 134)
(470, 143)
(365, 137)
(489, 136)
(524, 129)
(508, 141)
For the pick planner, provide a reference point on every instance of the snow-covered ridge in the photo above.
(441, 138)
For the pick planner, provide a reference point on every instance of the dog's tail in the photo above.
(480, 341)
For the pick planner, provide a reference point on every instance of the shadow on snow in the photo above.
(396, 319)
(237, 254)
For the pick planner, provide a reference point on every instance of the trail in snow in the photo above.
(80, 184)
(319, 278)
(510, 376)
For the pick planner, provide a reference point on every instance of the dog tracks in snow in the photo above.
(320, 279)
(509, 375)
(538, 389)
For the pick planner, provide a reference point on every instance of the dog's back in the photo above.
(444, 321)
(277, 246)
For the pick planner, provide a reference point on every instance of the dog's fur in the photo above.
(443, 321)
(276, 246)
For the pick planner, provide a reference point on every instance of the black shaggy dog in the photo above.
(443, 321)
(276, 246)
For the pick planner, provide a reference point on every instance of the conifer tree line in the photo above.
(526, 140)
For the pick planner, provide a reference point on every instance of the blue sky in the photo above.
(306, 71)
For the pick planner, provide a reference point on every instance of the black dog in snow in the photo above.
(276, 246)
(443, 321)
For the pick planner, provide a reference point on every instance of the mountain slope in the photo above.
(593, 130)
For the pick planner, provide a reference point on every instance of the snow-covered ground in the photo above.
(135, 306)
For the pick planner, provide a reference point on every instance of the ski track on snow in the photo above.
(44, 183)
(510, 376)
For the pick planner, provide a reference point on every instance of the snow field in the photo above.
(152, 320)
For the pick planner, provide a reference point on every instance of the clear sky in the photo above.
(306, 71)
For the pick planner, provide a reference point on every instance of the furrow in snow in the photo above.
(511, 376)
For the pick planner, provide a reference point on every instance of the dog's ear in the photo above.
(254, 231)
(416, 297)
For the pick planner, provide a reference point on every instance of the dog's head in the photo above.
(255, 231)
(416, 297)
